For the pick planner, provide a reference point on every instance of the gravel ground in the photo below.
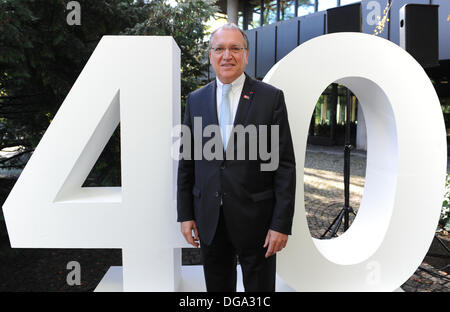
(324, 197)
(324, 188)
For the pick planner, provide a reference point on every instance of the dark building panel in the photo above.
(265, 50)
(372, 10)
(287, 37)
(312, 25)
(419, 32)
(444, 28)
(394, 23)
(272, 42)
(344, 19)
(250, 69)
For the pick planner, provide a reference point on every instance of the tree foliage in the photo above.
(185, 23)
(41, 56)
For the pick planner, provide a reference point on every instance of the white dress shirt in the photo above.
(234, 96)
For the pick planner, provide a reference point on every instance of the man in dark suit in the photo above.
(233, 206)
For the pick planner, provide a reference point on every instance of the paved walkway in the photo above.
(324, 196)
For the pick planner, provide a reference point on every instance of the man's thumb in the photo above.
(267, 240)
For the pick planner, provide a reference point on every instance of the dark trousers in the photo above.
(220, 260)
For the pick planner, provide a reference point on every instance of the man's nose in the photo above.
(227, 53)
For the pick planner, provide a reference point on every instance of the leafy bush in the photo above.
(444, 220)
(41, 56)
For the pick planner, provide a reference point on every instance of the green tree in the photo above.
(41, 56)
(185, 22)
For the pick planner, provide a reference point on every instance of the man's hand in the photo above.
(276, 242)
(186, 229)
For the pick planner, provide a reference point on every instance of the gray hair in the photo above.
(231, 26)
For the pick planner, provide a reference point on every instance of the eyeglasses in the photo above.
(221, 50)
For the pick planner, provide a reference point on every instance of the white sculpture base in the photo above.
(192, 279)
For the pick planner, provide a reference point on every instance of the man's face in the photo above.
(228, 65)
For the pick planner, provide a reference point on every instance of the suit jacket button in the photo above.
(217, 194)
(222, 167)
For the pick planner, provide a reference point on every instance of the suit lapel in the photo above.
(245, 101)
(212, 103)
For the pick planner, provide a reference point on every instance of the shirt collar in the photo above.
(235, 84)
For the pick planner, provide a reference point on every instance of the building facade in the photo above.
(275, 28)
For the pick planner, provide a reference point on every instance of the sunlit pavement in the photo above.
(324, 198)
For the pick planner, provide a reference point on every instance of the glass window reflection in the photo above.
(327, 4)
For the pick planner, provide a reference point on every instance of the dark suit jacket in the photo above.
(253, 200)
